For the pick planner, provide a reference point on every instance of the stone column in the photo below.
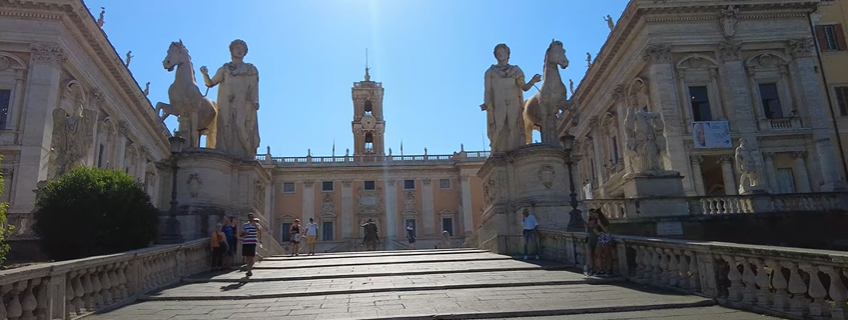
(44, 78)
(697, 176)
(664, 98)
(123, 129)
(429, 213)
(618, 96)
(308, 200)
(772, 177)
(802, 179)
(347, 210)
(598, 152)
(391, 209)
(13, 119)
(467, 216)
(803, 50)
(730, 187)
(270, 214)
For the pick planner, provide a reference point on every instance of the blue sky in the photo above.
(430, 56)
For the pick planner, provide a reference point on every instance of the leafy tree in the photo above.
(5, 228)
(92, 211)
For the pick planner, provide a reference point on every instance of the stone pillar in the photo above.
(467, 216)
(803, 50)
(429, 214)
(44, 77)
(802, 179)
(347, 210)
(391, 209)
(270, 214)
(730, 187)
(123, 129)
(13, 119)
(772, 176)
(697, 176)
(598, 152)
(620, 112)
(308, 200)
(664, 98)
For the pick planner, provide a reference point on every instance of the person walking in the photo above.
(311, 236)
(219, 244)
(530, 232)
(296, 232)
(252, 237)
(229, 230)
(410, 236)
(604, 251)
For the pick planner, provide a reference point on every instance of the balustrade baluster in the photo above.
(837, 292)
(734, 292)
(81, 292)
(28, 302)
(799, 303)
(671, 268)
(705, 206)
(779, 283)
(749, 294)
(122, 279)
(714, 206)
(655, 266)
(13, 307)
(114, 290)
(4, 290)
(818, 307)
(43, 298)
(763, 282)
(640, 261)
(69, 294)
(694, 270)
(682, 269)
(105, 285)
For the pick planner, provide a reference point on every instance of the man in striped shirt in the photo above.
(251, 235)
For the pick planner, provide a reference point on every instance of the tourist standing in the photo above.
(295, 233)
(219, 244)
(229, 230)
(592, 230)
(603, 254)
(251, 237)
(410, 236)
(311, 235)
(530, 232)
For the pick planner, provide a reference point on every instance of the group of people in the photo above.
(225, 239)
(600, 251)
(298, 231)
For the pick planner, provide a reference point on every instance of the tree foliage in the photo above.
(92, 211)
(5, 228)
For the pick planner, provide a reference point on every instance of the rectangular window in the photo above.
(447, 225)
(841, 99)
(100, 154)
(326, 231)
(288, 187)
(700, 100)
(370, 185)
(831, 38)
(785, 180)
(327, 186)
(614, 142)
(444, 184)
(5, 102)
(411, 222)
(771, 101)
(408, 184)
(285, 236)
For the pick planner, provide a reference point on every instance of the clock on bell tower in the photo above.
(368, 124)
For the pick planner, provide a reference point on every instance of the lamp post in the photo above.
(172, 225)
(575, 222)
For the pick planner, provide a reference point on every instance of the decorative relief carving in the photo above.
(593, 121)
(48, 53)
(730, 50)
(489, 191)
(370, 201)
(697, 159)
(803, 47)
(728, 21)
(426, 181)
(658, 53)
(346, 183)
(409, 201)
(308, 183)
(194, 184)
(258, 194)
(123, 128)
(800, 154)
(327, 203)
(618, 93)
(73, 129)
(546, 175)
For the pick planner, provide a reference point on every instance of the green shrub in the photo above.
(5, 229)
(91, 211)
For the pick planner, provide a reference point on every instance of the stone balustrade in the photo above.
(68, 289)
(736, 204)
(781, 281)
(347, 160)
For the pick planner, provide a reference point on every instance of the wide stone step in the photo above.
(294, 263)
(700, 313)
(345, 255)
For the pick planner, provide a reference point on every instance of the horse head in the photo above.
(177, 54)
(556, 54)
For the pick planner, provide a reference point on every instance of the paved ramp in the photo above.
(419, 284)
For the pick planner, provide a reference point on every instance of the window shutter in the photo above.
(820, 38)
(840, 37)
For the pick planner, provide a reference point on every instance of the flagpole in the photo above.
(334, 148)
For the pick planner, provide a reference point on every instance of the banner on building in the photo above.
(711, 134)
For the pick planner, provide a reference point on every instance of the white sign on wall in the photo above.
(711, 134)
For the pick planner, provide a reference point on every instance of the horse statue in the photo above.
(540, 110)
(197, 114)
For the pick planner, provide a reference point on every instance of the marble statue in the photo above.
(196, 113)
(100, 20)
(267, 149)
(390, 151)
(238, 102)
(327, 203)
(540, 110)
(73, 130)
(610, 23)
(504, 102)
(309, 152)
(747, 165)
(571, 86)
(644, 139)
(588, 59)
(728, 21)
(425, 151)
(129, 57)
(347, 152)
(146, 89)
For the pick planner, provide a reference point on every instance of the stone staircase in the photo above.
(414, 284)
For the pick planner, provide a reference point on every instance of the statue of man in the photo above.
(571, 86)
(129, 57)
(642, 141)
(146, 89)
(746, 164)
(588, 59)
(238, 101)
(504, 102)
(610, 23)
(100, 20)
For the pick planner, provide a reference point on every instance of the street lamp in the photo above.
(172, 225)
(575, 222)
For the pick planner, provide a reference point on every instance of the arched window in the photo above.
(368, 107)
(369, 143)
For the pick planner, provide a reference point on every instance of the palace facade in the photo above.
(831, 21)
(433, 193)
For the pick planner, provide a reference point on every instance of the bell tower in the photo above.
(368, 124)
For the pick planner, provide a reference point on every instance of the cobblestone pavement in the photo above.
(469, 284)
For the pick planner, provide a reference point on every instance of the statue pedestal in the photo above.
(211, 185)
(746, 190)
(533, 177)
(660, 193)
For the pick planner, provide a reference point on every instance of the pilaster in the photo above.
(347, 210)
(467, 216)
(123, 129)
(308, 199)
(429, 214)
(697, 175)
(391, 209)
(729, 178)
(802, 179)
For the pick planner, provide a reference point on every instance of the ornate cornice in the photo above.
(48, 53)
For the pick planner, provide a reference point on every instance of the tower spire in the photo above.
(367, 76)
